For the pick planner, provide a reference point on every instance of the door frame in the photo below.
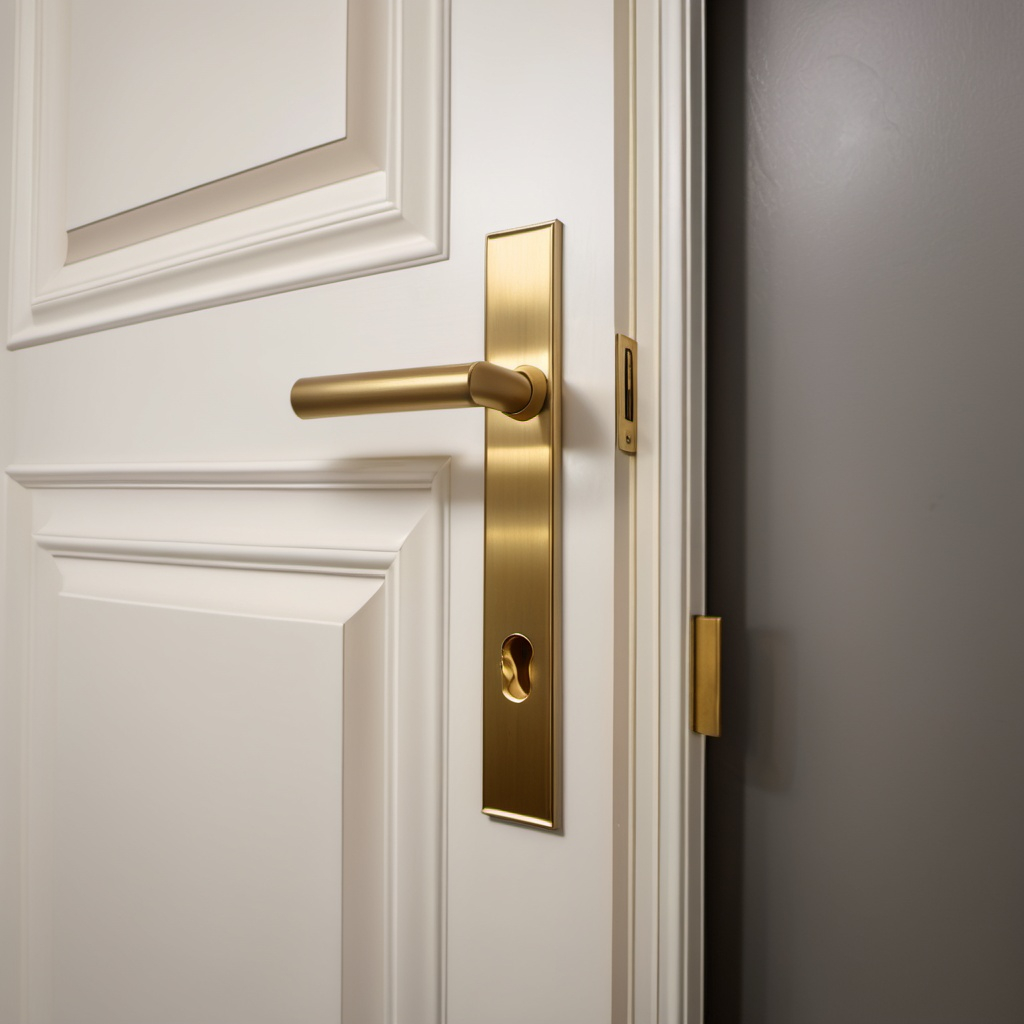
(664, 981)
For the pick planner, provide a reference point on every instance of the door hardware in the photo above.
(707, 675)
(516, 660)
(519, 385)
(625, 393)
(519, 392)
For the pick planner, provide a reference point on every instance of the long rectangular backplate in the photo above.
(522, 552)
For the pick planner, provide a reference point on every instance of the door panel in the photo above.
(236, 744)
(214, 90)
(195, 226)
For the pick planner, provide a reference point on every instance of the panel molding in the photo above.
(393, 216)
(105, 533)
(352, 474)
(332, 561)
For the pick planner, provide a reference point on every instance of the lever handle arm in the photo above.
(519, 393)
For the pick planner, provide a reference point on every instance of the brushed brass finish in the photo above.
(521, 699)
(707, 675)
(625, 393)
(539, 384)
(518, 392)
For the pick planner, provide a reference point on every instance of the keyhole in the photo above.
(516, 658)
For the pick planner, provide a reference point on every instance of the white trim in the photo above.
(670, 507)
(350, 474)
(695, 459)
(674, 688)
(395, 216)
(330, 561)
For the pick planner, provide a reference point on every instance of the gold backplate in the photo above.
(707, 675)
(522, 734)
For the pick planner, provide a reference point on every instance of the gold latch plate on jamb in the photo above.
(625, 393)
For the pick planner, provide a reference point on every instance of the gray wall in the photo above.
(866, 267)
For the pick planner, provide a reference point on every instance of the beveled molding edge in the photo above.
(383, 220)
(325, 561)
(349, 474)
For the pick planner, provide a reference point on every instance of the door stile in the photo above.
(13, 585)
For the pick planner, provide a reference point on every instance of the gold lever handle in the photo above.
(521, 664)
(519, 393)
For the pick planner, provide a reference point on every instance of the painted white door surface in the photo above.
(241, 718)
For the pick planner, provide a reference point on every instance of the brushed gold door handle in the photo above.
(520, 386)
(519, 393)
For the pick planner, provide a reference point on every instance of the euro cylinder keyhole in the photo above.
(516, 661)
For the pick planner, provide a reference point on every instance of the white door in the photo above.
(243, 692)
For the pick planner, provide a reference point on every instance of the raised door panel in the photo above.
(173, 156)
(224, 728)
(168, 95)
(195, 756)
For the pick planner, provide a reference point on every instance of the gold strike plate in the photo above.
(625, 393)
(707, 675)
(521, 663)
